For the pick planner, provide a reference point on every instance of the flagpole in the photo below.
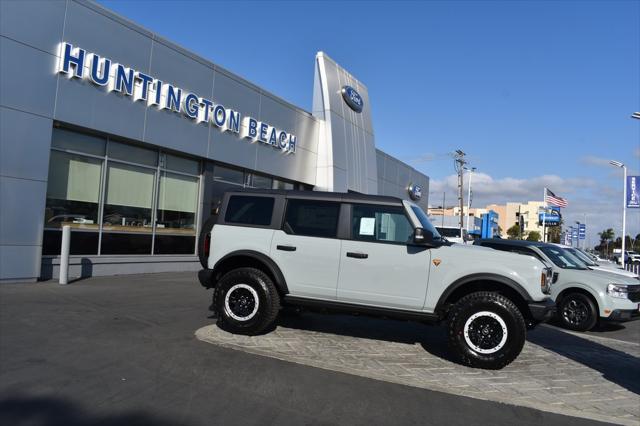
(544, 216)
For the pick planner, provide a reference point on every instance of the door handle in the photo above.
(357, 255)
(286, 248)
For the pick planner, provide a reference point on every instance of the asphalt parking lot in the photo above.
(123, 350)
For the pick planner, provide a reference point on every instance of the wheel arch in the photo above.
(484, 282)
(578, 289)
(250, 258)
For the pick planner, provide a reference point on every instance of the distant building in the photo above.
(449, 217)
(508, 215)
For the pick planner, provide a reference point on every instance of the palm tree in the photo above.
(605, 237)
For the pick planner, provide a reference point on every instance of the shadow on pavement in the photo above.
(605, 327)
(50, 411)
(432, 338)
(614, 365)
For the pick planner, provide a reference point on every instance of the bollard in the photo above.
(64, 255)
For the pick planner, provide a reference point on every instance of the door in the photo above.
(379, 265)
(306, 248)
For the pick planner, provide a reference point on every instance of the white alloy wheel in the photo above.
(241, 302)
(485, 332)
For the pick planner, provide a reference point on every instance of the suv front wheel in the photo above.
(247, 301)
(486, 330)
(576, 311)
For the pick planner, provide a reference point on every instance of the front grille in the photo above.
(634, 293)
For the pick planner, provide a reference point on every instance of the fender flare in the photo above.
(280, 282)
(575, 285)
(482, 277)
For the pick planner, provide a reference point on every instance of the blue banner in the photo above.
(633, 192)
(582, 231)
(551, 217)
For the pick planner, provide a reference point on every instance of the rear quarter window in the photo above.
(312, 218)
(248, 210)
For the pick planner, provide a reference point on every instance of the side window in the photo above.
(249, 210)
(312, 218)
(380, 223)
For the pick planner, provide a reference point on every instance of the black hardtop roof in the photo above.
(513, 243)
(349, 197)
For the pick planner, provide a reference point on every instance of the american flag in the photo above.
(553, 200)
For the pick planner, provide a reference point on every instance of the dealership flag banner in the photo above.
(582, 231)
(552, 199)
(633, 192)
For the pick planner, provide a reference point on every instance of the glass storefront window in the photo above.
(73, 191)
(177, 202)
(261, 182)
(129, 197)
(122, 243)
(180, 164)
(133, 154)
(73, 141)
(116, 205)
(279, 184)
(82, 242)
(228, 175)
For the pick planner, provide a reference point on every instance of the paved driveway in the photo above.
(585, 376)
(122, 351)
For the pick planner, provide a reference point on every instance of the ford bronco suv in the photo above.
(371, 255)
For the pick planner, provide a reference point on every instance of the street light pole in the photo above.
(471, 170)
(624, 205)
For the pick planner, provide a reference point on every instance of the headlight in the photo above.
(618, 291)
(545, 280)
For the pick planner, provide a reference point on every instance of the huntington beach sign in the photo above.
(76, 62)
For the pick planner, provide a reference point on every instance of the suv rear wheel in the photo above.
(486, 330)
(576, 311)
(247, 301)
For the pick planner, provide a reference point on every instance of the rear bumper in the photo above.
(205, 276)
(623, 315)
(542, 311)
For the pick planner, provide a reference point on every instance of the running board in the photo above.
(352, 308)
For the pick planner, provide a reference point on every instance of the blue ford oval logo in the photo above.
(352, 98)
(415, 192)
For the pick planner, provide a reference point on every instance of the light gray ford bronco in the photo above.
(369, 255)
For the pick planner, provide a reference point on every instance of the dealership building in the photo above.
(131, 140)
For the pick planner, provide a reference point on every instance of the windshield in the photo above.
(581, 256)
(589, 255)
(425, 222)
(449, 232)
(562, 258)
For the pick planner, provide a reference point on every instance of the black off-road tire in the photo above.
(492, 308)
(203, 238)
(238, 281)
(585, 312)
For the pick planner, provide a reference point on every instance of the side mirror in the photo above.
(420, 236)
